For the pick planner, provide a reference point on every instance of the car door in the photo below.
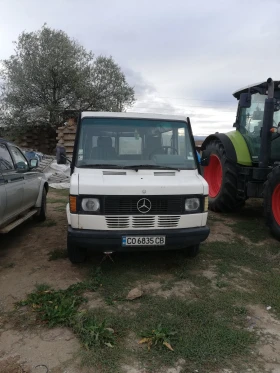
(3, 197)
(31, 178)
(13, 183)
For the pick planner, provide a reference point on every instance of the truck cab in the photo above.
(135, 185)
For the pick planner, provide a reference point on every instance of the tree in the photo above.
(50, 73)
(109, 89)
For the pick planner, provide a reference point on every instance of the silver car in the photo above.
(23, 190)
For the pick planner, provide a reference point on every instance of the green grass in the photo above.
(59, 307)
(204, 333)
(158, 337)
(262, 283)
(239, 253)
(206, 327)
(268, 291)
(57, 200)
(58, 254)
(93, 332)
(54, 307)
(60, 209)
(49, 223)
(60, 192)
(213, 216)
(254, 229)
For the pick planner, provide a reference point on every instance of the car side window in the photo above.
(6, 162)
(21, 162)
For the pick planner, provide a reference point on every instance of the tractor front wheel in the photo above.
(221, 176)
(272, 202)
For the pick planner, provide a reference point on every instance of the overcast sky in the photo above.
(183, 57)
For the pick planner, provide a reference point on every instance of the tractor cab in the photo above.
(245, 163)
(250, 114)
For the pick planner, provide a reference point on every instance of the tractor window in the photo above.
(251, 120)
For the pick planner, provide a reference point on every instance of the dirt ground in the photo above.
(24, 262)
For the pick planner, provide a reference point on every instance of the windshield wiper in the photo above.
(137, 167)
(100, 165)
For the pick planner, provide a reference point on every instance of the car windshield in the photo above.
(121, 143)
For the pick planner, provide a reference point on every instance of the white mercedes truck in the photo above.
(135, 185)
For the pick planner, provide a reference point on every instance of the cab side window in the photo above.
(6, 162)
(21, 163)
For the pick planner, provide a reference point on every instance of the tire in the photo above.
(76, 254)
(272, 202)
(192, 251)
(42, 212)
(222, 176)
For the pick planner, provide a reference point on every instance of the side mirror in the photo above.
(245, 100)
(33, 163)
(22, 166)
(61, 155)
(205, 158)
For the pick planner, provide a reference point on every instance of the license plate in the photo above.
(143, 241)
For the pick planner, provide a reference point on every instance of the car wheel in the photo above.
(42, 212)
(192, 251)
(272, 202)
(76, 254)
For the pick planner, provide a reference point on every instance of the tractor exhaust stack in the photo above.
(265, 150)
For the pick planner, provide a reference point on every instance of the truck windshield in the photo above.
(121, 142)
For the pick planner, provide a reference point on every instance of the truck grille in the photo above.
(160, 205)
(142, 222)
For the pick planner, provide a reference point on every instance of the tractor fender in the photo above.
(226, 142)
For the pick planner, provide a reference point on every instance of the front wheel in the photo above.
(192, 251)
(41, 215)
(272, 202)
(75, 254)
(222, 178)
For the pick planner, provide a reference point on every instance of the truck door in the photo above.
(13, 183)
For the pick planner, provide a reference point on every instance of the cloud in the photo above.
(183, 57)
(136, 80)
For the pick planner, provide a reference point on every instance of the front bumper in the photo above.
(112, 240)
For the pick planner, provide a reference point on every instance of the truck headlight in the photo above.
(192, 204)
(91, 204)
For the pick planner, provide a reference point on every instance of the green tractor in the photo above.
(245, 163)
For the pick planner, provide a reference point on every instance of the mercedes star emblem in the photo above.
(144, 205)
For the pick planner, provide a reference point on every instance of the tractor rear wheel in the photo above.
(222, 176)
(272, 202)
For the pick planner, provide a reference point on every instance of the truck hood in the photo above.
(130, 182)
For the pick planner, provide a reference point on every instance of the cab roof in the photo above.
(128, 115)
(257, 88)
